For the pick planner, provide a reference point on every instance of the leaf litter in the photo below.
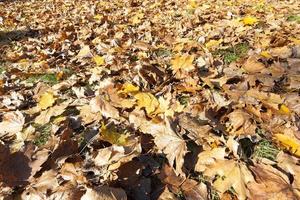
(149, 100)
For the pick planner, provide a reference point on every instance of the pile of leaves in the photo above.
(150, 99)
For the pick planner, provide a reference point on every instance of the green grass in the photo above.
(295, 18)
(234, 53)
(266, 149)
(2, 69)
(183, 100)
(44, 133)
(46, 78)
(162, 52)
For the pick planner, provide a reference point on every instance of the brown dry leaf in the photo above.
(173, 146)
(115, 155)
(240, 123)
(209, 157)
(98, 104)
(281, 52)
(12, 123)
(291, 165)
(71, 172)
(38, 189)
(104, 193)
(231, 174)
(191, 189)
(54, 111)
(270, 184)
(253, 66)
(165, 138)
(38, 158)
(271, 100)
(87, 115)
(194, 190)
(196, 131)
(167, 195)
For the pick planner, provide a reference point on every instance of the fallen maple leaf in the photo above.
(173, 146)
(164, 137)
(115, 155)
(213, 43)
(12, 123)
(253, 66)
(240, 123)
(84, 52)
(184, 62)
(270, 184)
(290, 144)
(231, 174)
(104, 193)
(45, 116)
(99, 60)
(99, 104)
(129, 88)
(249, 20)
(209, 157)
(290, 165)
(46, 100)
(147, 101)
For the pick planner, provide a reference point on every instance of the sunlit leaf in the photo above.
(147, 101)
(183, 62)
(249, 20)
(290, 144)
(99, 60)
(46, 100)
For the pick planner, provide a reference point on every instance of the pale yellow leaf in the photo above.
(85, 52)
(213, 43)
(46, 100)
(12, 123)
(147, 101)
(99, 60)
(184, 62)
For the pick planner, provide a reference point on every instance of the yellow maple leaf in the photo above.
(98, 17)
(137, 18)
(47, 100)
(213, 43)
(249, 20)
(289, 143)
(265, 54)
(129, 88)
(99, 60)
(193, 4)
(112, 135)
(147, 101)
(284, 109)
(184, 62)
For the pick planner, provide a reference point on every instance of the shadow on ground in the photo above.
(17, 35)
